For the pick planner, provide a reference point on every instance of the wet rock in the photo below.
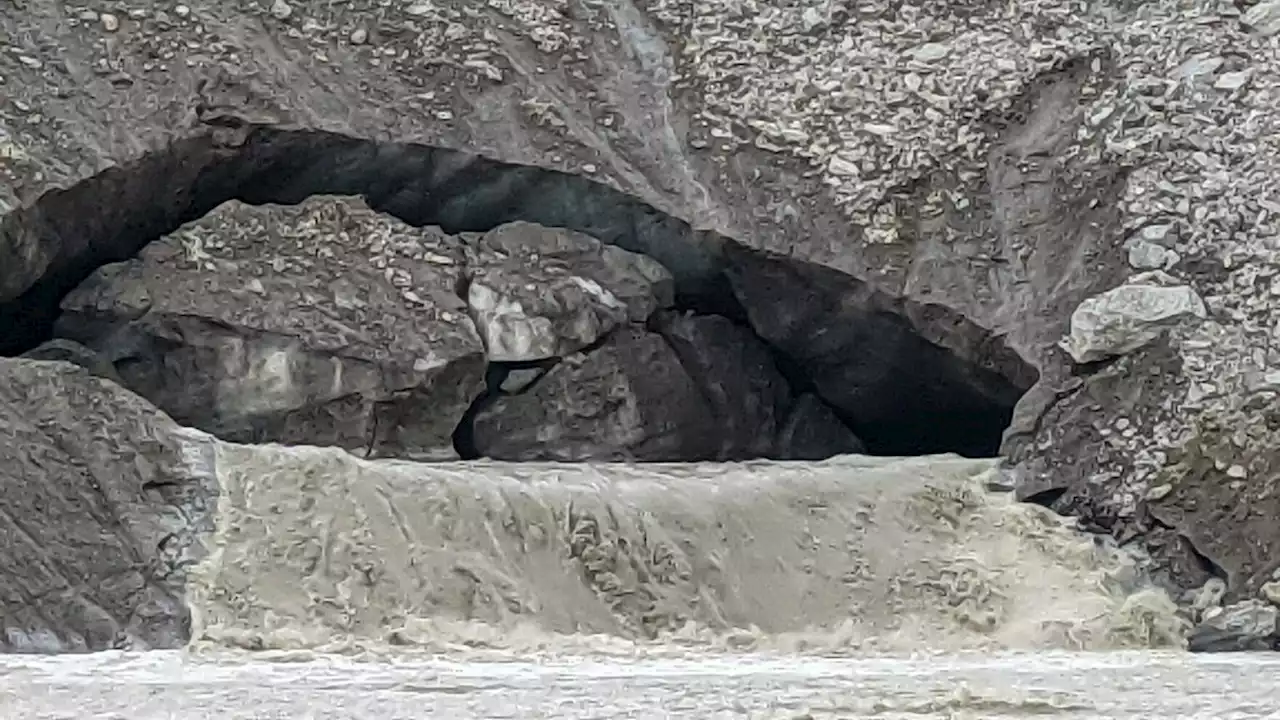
(1247, 625)
(629, 399)
(538, 292)
(519, 379)
(321, 323)
(1126, 318)
(735, 374)
(101, 500)
(76, 354)
(813, 432)
(1209, 595)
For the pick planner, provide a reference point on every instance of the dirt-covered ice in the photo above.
(316, 550)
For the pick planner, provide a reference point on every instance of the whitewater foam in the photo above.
(316, 550)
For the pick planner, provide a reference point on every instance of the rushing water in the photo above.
(167, 686)
(334, 587)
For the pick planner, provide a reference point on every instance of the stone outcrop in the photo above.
(968, 175)
(320, 323)
(1129, 317)
(102, 498)
(812, 432)
(697, 388)
(538, 293)
(630, 399)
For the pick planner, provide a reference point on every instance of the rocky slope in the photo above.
(923, 209)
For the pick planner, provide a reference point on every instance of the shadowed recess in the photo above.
(906, 378)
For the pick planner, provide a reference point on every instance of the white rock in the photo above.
(1144, 255)
(839, 166)
(1264, 18)
(510, 333)
(281, 10)
(1232, 80)
(1210, 595)
(929, 52)
(1198, 66)
(1126, 318)
(1271, 592)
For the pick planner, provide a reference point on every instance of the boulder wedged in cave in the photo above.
(737, 378)
(319, 323)
(628, 399)
(812, 431)
(537, 293)
(102, 501)
(695, 387)
(61, 349)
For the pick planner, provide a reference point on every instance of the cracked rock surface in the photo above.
(538, 293)
(103, 499)
(980, 170)
(320, 323)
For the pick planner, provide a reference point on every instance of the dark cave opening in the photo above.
(907, 379)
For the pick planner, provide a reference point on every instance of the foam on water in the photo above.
(742, 686)
(316, 550)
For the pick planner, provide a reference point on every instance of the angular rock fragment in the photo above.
(538, 292)
(73, 352)
(101, 500)
(813, 432)
(318, 323)
(736, 375)
(629, 399)
(1263, 18)
(1246, 625)
(1271, 592)
(1126, 318)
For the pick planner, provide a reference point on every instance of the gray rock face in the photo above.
(736, 377)
(1246, 625)
(103, 499)
(1126, 318)
(321, 323)
(630, 399)
(813, 432)
(538, 293)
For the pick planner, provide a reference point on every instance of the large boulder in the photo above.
(102, 503)
(697, 387)
(537, 293)
(629, 399)
(737, 378)
(320, 323)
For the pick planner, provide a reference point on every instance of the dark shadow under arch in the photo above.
(873, 357)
